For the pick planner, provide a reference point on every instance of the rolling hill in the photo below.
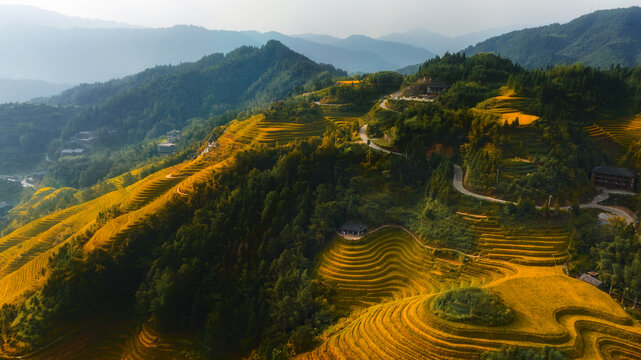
(601, 39)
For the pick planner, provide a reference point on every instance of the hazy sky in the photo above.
(334, 17)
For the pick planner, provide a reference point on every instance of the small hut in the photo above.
(353, 229)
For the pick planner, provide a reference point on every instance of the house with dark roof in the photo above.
(71, 152)
(166, 147)
(612, 177)
(353, 229)
(591, 280)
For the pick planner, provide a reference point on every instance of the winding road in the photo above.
(457, 182)
(362, 132)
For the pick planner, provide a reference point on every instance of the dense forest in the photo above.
(600, 39)
(143, 107)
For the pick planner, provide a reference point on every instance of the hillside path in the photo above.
(629, 218)
(362, 132)
(457, 182)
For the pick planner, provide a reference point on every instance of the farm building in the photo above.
(166, 148)
(425, 87)
(71, 152)
(591, 280)
(613, 177)
(436, 87)
(353, 229)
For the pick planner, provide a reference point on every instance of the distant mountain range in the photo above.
(16, 90)
(25, 14)
(439, 44)
(599, 39)
(46, 46)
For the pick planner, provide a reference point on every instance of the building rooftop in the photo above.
(353, 227)
(72, 151)
(613, 170)
(591, 280)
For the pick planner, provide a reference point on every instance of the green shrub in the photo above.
(472, 305)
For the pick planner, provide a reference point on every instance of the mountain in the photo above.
(396, 53)
(599, 39)
(19, 90)
(155, 101)
(31, 15)
(440, 44)
(82, 55)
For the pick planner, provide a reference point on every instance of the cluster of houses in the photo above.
(84, 138)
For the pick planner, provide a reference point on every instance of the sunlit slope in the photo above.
(24, 253)
(391, 264)
(170, 183)
(113, 340)
(508, 109)
(623, 129)
(530, 246)
(390, 280)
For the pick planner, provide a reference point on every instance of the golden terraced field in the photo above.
(25, 252)
(623, 129)
(388, 280)
(508, 109)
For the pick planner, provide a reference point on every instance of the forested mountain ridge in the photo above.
(601, 39)
(158, 100)
(87, 55)
(146, 105)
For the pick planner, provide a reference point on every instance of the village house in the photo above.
(591, 279)
(612, 177)
(166, 147)
(353, 229)
(71, 152)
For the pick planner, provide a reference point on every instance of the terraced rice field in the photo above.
(531, 246)
(151, 194)
(391, 264)
(508, 109)
(622, 129)
(389, 280)
(113, 340)
(513, 168)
